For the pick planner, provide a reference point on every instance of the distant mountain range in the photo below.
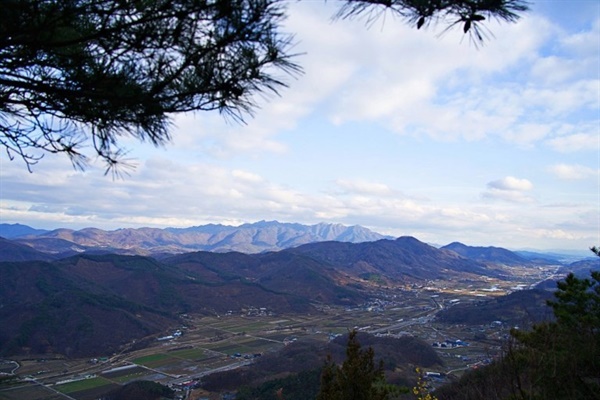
(247, 238)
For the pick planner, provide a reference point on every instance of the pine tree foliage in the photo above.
(86, 73)
(100, 69)
(468, 14)
(577, 304)
(561, 360)
(357, 378)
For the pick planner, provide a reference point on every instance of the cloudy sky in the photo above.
(403, 131)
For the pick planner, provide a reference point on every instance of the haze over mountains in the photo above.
(247, 238)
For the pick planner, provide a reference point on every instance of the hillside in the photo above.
(14, 251)
(75, 306)
(405, 258)
(333, 272)
(520, 308)
(487, 254)
(582, 268)
(46, 310)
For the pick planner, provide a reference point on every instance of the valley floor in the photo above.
(204, 345)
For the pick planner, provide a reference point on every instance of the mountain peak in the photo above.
(11, 231)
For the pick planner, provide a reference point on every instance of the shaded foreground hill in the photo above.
(520, 308)
(399, 356)
(94, 305)
(47, 311)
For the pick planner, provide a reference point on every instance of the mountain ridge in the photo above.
(486, 254)
(404, 256)
(248, 238)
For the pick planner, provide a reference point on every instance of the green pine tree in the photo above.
(357, 378)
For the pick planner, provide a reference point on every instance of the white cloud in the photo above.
(577, 141)
(509, 189)
(510, 196)
(572, 172)
(528, 133)
(413, 82)
(555, 70)
(583, 43)
(449, 90)
(510, 183)
(247, 177)
(363, 187)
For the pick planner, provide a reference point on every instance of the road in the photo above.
(403, 324)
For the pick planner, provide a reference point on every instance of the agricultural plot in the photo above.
(228, 324)
(120, 372)
(204, 330)
(179, 367)
(132, 373)
(93, 393)
(258, 344)
(194, 354)
(87, 389)
(242, 345)
(255, 326)
(155, 360)
(30, 392)
(83, 384)
(186, 361)
(232, 348)
(338, 324)
(278, 337)
(42, 367)
(8, 367)
(249, 325)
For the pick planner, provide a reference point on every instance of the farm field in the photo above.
(30, 391)
(87, 389)
(82, 384)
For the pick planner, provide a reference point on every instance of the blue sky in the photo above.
(403, 131)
